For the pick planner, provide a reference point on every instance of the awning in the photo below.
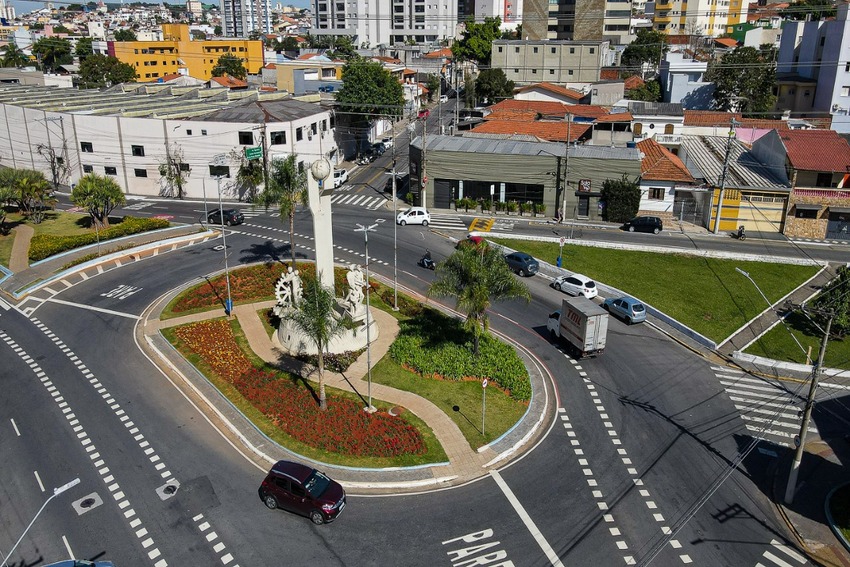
(841, 210)
(807, 207)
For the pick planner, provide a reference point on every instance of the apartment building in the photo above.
(241, 17)
(708, 18)
(578, 20)
(526, 61)
(179, 53)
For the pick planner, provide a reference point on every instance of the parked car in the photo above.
(231, 217)
(522, 264)
(387, 141)
(424, 113)
(444, 98)
(626, 308)
(576, 284)
(303, 490)
(414, 215)
(471, 240)
(379, 148)
(340, 177)
(644, 224)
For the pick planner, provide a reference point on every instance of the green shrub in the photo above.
(45, 245)
(511, 206)
(486, 205)
(539, 208)
(500, 206)
(527, 207)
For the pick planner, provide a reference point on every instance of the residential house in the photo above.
(682, 78)
(550, 92)
(654, 119)
(666, 185)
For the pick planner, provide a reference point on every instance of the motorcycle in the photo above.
(426, 261)
(741, 235)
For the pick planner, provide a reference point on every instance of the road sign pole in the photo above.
(483, 403)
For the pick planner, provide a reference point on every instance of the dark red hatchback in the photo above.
(303, 490)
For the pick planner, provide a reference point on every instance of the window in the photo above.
(188, 132)
(138, 151)
(516, 49)
(203, 132)
(656, 193)
(551, 71)
(278, 138)
(299, 134)
(110, 170)
(805, 213)
(246, 138)
(845, 91)
(86, 147)
(324, 125)
(534, 71)
(824, 180)
(219, 171)
(534, 49)
(552, 50)
(500, 50)
(184, 167)
(141, 172)
(572, 50)
(88, 168)
(314, 128)
(516, 70)
(592, 50)
(847, 67)
(570, 72)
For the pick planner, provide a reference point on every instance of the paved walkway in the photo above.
(20, 248)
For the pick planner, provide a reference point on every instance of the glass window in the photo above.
(219, 171)
(88, 168)
(278, 138)
(141, 172)
(246, 138)
(188, 132)
(86, 147)
(299, 134)
(138, 151)
(656, 193)
(110, 170)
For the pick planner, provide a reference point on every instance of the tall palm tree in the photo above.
(287, 188)
(314, 316)
(13, 56)
(476, 276)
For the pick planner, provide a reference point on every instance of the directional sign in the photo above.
(563, 241)
(484, 383)
(254, 153)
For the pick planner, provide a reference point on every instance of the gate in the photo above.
(838, 226)
(442, 194)
(686, 208)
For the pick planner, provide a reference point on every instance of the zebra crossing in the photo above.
(767, 407)
(781, 555)
(441, 221)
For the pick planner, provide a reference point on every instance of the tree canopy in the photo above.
(647, 47)
(286, 190)
(124, 35)
(369, 91)
(813, 10)
(621, 198)
(33, 192)
(98, 195)
(493, 86)
(52, 52)
(434, 86)
(231, 65)
(13, 56)
(83, 48)
(477, 40)
(650, 91)
(744, 80)
(100, 71)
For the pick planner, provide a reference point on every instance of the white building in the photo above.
(241, 17)
(683, 81)
(508, 11)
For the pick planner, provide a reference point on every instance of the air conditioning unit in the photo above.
(310, 135)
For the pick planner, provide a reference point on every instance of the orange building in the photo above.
(180, 53)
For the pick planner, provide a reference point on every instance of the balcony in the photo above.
(672, 139)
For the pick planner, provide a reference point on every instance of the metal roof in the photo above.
(704, 159)
(641, 108)
(508, 145)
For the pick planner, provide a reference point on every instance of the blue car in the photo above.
(626, 308)
(522, 264)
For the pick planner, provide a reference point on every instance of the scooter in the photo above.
(426, 261)
(741, 235)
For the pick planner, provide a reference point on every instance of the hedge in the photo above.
(45, 245)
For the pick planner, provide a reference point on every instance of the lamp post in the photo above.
(395, 238)
(366, 230)
(228, 306)
(56, 492)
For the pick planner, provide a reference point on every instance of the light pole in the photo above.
(724, 172)
(56, 492)
(395, 238)
(766, 300)
(228, 306)
(366, 230)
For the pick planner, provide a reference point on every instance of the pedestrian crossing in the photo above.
(781, 555)
(440, 221)
(767, 407)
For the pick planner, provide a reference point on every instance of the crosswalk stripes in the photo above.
(447, 222)
(767, 407)
(783, 556)
(358, 200)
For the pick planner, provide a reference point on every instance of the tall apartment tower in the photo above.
(387, 22)
(577, 20)
(241, 17)
(695, 17)
(7, 11)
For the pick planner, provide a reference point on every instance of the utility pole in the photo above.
(266, 158)
(423, 201)
(807, 414)
(723, 175)
(566, 170)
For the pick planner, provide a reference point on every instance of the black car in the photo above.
(231, 217)
(644, 224)
(379, 148)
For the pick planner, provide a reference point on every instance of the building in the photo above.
(525, 61)
(241, 17)
(707, 18)
(654, 119)
(195, 8)
(578, 20)
(682, 79)
(128, 134)
(179, 53)
(666, 185)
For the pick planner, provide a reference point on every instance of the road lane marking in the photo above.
(93, 308)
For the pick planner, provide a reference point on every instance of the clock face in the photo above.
(321, 169)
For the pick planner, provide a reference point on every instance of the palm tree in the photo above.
(287, 188)
(7, 195)
(99, 195)
(13, 56)
(476, 276)
(314, 316)
(34, 193)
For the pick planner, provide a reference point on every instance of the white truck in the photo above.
(582, 325)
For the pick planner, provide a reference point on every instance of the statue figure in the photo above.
(356, 282)
(295, 283)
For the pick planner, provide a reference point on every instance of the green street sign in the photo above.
(254, 153)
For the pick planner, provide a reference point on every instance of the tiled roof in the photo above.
(306, 56)
(609, 74)
(270, 66)
(391, 60)
(816, 150)
(171, 77)
(439, 54)
(616, 117)
(545, 130)
(764, 124)
(709, 117)
(660, 164)
(633, 82)
(230, 82)
(556, 89)
(726, 42)
(539, 106)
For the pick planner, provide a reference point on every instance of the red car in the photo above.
(424, 113)
(303, 490)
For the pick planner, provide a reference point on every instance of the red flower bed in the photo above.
(344, 428)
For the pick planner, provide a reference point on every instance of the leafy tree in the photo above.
(368, 91)
(477, 40)
(648, 47)
(433, 85)
(744, 79)
(231, 65)
(217, 31)
(98, 195)
(493, 86)
(476, 276)
(650, 91)
(813, 10)
(52, 52)
(835, 297)
(342, 47)
(100, 71)
(61, 29)
(622, 199)
(287, 189)
(173, 173)
(315, 317)
(84, 48)
(74, 7)
(7, 196)
(32, 193)
(14, 56)
(289, 43)
(250, 174)
(124, 35)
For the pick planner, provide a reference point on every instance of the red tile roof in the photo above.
(306, 56)
(556, 89)
(609, 74)
(709, 117)
(269, 66)
(726, 42)
(616, 117)
(439, 54)
(230, 82)
(633, 82)
(171, 77)
(546, 130)
(391, 60)
(539, 106)
(660, 164)
(816, 150)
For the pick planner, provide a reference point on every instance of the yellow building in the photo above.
(178, 52)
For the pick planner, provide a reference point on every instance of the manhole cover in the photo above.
(396, 411)
(88, 503)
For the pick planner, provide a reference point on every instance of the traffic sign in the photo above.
(563, 241)
(484, 383)
(424, 180)
(219, 159)
(254, 153)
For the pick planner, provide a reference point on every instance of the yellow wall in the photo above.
(155, 59)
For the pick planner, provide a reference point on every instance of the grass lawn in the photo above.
(778, 344)
(839, 507)
(706, 294)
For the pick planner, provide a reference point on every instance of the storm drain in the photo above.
(87, 503)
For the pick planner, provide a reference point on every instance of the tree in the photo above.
(476, 276)
(289, 43)
(57, 161)
(250, 174)
(124, 35)
(315, 317)
(744, 80)
(647, 48)
(835, 298)
(217, 31)
(493, 86)
(84, 48)
(813, 10)
(231, 65)
(7, 196)
(52, 52)
(98, 195)
(173, 173)
(477, 40)
(434, 85)
(342, 47)
(287, 189)
(32, 193)
(101, 71)
(13, 56)
(621, 198)
(650, 91)
(368, 91)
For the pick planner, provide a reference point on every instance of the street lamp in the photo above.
(366, 230)
(56, 492)
(395, 238)
(228, 306)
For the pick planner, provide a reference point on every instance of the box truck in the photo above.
(581, 324)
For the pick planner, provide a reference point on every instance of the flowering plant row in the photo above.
(293, 407)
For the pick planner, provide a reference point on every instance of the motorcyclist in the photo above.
(426, 259)
(741, 232)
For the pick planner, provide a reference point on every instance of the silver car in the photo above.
(626, 308)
